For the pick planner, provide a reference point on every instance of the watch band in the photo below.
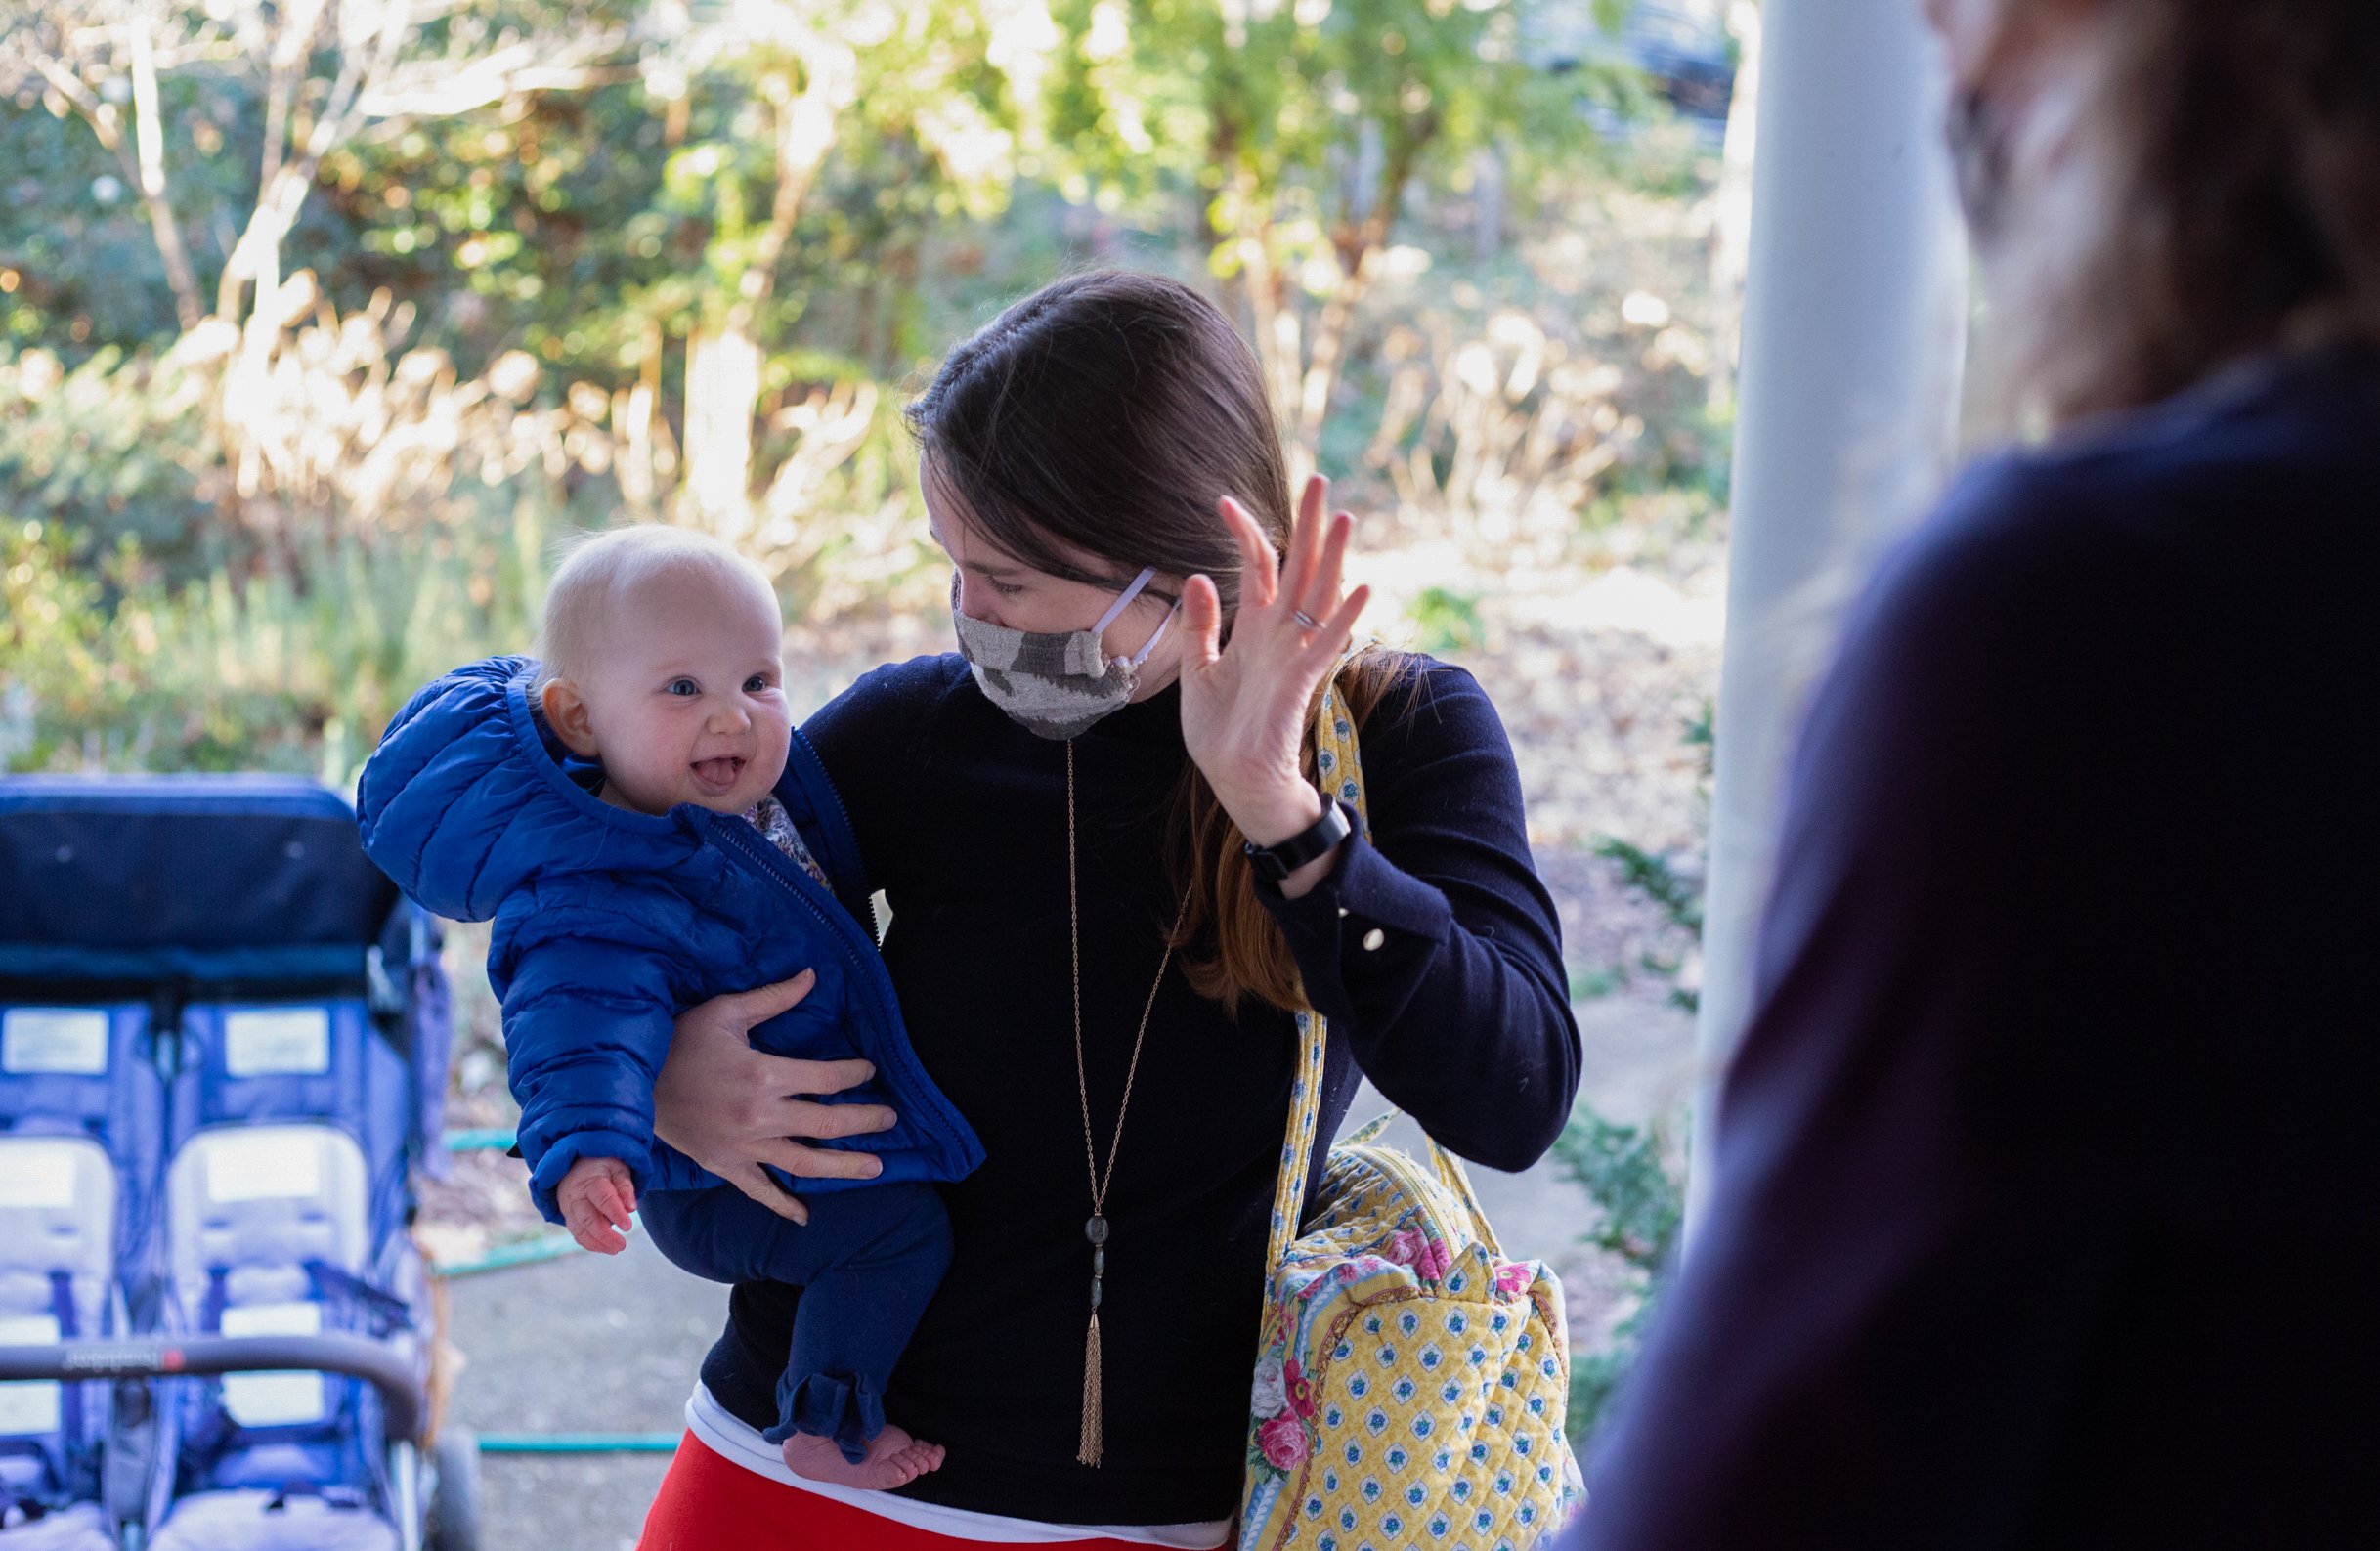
(1277, 862)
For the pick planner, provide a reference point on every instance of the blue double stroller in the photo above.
(222, 1049)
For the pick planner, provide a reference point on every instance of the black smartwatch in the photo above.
(1277, 862)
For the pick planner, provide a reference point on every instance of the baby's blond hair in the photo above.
(600, 568)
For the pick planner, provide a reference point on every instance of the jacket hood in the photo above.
(463, 801)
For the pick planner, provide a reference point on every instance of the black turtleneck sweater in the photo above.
(1432, 948)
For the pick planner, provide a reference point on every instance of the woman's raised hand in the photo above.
(1243, 706)
(732, 1108)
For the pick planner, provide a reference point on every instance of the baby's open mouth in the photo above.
(719, 775)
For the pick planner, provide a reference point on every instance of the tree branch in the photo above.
(148, 131)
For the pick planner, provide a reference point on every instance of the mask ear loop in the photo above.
(1117, 609)
(1150, 645)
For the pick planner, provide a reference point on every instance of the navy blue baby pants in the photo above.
(866, 1263)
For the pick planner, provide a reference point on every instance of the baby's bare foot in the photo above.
(894, 1459)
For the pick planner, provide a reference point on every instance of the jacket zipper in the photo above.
(740, 836)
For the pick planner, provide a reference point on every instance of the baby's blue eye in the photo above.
(684, 686)
(755, 685)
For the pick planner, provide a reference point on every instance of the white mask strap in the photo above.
(1118, 607)
(1150, 645)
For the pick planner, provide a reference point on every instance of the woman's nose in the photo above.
(976, 602)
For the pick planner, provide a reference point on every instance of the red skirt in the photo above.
(711, 1503)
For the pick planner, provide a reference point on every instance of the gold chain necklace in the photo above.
(1094, 1441)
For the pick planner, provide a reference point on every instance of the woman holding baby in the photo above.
(1111, 881)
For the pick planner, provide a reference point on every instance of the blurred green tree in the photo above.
(1303, 126)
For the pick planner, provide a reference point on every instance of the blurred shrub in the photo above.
(109, 666)
(1640, 1207)
(118, 448)
(1447, 621)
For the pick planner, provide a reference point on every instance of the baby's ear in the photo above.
(566, 713)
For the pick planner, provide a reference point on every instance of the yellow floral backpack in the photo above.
(1412, 1383)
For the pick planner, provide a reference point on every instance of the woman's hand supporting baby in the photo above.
(732, 1108)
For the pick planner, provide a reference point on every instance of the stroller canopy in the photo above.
(192, 878)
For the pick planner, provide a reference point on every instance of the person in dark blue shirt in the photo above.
(2044, 1208)
(1090, 961)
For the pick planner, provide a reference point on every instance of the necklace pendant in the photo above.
(1095, 1231)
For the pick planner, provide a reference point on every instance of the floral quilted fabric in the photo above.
(1413, 1387)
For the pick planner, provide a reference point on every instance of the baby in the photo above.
(647, 829)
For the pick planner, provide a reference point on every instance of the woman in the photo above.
(2043, 1205)
(1095, 966)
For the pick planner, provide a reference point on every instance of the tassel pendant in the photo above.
(1094, 1441)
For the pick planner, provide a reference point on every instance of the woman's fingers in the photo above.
(1322, 591)
(757, 1006)
(1202, 620)
(805, 1121)
(822, 1163)
(1260, 567)
(1331, 639)
(1305, 542)
(793, 1076)
(762, 1186)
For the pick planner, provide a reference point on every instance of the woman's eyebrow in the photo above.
(976, 565)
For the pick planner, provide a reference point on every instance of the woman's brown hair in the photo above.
(1106, 414)
(2215, 194)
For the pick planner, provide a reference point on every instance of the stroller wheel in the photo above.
(454, 1510)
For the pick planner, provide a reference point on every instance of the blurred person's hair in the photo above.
(599, 571)
(1105, 414)
(2216, 193)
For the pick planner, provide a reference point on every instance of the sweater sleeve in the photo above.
(587, 1013)
(1431, 945)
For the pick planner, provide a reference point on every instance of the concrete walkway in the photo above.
(589, 1345)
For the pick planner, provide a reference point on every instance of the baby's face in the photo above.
(685, 701)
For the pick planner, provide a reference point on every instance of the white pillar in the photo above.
(1854, 335)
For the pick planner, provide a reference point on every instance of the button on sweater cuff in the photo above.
(1364, 934)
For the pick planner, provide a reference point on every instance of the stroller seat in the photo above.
(258, 1519)
(57, 1259)
(267, 1234)
(80, 1528)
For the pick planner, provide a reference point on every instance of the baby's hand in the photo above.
(597, 1196)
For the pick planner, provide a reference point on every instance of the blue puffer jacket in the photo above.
(609, 923)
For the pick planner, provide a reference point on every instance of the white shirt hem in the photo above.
(732, 1440)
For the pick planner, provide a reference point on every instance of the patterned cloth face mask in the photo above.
(1057, 683)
